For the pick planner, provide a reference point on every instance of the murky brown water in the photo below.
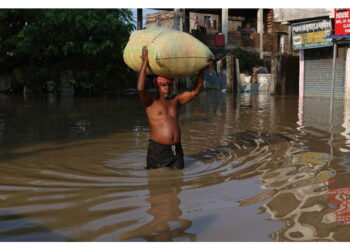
(258, 168)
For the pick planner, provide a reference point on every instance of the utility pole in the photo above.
(229, 72)
(177, 19)
(139, 19)
(158, 20)
(261, 31)
(224, 23)
(186, 21)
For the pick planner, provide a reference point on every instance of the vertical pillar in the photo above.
(139, 19)
(158, 20)
(333, 74)
(260, 30)
(181, 28)
(347, 74)
(186, 21)
(229, 72)
(177, 19)
(283, 74)
(301, 73)
(238, 75)
(224, 23)
(300, 121)
(346, 123)
(274, 75)
(234, 75)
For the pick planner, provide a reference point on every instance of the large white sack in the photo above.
(171, 53)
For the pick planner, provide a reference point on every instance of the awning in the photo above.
(346, 37)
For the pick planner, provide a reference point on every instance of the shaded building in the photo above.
(239, 27)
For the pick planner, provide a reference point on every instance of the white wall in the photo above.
(290, 14)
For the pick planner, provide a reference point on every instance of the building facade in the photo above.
(319, 67)
(240, 27)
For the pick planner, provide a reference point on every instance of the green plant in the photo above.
(87, 42)
(247, 60)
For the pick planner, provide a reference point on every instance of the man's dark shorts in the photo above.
(162, 155)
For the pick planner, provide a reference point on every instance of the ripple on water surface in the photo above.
(240, 161)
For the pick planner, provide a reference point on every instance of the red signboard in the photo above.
(342, 22)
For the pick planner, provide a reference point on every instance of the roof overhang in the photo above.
(231, 12)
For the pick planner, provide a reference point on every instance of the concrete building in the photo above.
(309, 29)
(253, 29)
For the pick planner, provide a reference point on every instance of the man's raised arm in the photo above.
(145, 97)
(187, 96)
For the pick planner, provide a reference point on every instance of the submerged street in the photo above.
(257, 168)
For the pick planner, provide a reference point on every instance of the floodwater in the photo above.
(257, 168)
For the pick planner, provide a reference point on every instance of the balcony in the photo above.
(243, 38)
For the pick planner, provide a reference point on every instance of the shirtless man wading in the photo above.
(164, 149)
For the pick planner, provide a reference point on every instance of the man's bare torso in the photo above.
(163, 113)
(163, 117)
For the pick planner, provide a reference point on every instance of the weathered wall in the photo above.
(201, 16)
(207, 39)
(245, 37)
(163, 19)
(166, 19)
(293, 14)
(251, 40)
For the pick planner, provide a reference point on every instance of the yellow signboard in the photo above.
(311, 34)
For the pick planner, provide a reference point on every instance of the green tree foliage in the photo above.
(247, 60)
(87, 42)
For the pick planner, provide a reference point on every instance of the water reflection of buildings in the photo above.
(346, 125)
(296, 197)
(339, 200)
(260, 100)
(309, 192)
(306, 182)
(318, 119)
(294, 171)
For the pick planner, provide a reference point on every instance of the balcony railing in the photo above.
(243, 39)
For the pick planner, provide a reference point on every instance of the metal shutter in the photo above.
(318, 74)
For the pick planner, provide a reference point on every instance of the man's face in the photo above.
(165, 88)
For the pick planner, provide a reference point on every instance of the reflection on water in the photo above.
(257, 168)
(167, 225)
(298, 188)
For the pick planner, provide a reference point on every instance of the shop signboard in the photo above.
(342, 22)
(311, 34)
